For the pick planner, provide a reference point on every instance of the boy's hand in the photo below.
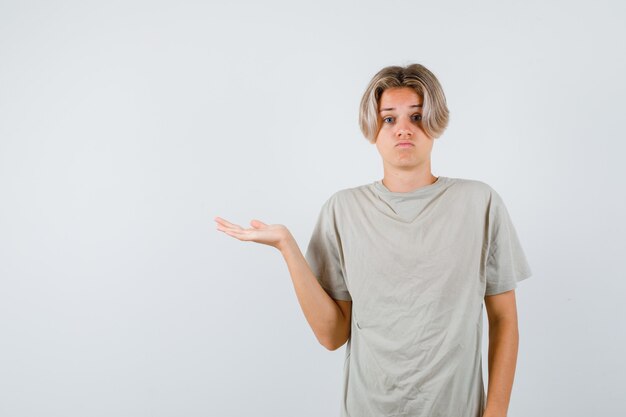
(275, 235)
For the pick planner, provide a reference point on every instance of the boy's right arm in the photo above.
(330, 319)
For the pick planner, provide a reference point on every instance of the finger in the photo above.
(257, 224)
(227, 223)
(240, 234)
(237, 229)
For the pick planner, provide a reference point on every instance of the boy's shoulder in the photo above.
(471, 184)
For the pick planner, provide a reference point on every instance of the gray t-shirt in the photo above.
(417, 266)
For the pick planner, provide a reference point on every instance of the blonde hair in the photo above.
(435, 113)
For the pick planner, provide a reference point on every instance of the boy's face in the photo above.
(400, 120)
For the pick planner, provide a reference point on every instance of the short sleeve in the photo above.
(324, 254)
(506, 261)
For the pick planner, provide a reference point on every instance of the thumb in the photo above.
(257, 224)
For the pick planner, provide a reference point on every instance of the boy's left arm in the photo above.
(503, 345)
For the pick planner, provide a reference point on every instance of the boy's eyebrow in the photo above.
(393, 108)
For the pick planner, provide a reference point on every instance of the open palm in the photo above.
(268, 234)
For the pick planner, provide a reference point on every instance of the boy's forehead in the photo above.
(392, 106)
(390, 96)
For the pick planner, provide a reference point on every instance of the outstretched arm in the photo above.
(503, 347)
(329, 319)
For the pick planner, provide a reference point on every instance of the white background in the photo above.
(127, 126)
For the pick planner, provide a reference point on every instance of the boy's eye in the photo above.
(415, 117)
